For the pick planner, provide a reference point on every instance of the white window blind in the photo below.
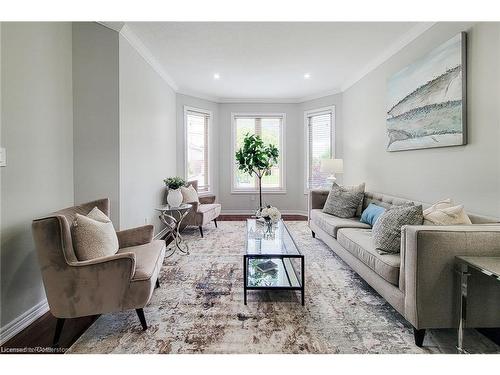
(197, 150)
(320, 127)
(269, 128)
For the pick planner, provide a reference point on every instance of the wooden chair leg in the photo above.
(313, 234)
(419, 335)
(157, 283)
(57, 334)
(201, 231)
(142, 318)
(215, 222)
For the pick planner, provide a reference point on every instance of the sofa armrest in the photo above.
(207, 199)
(135, 236)
(316, 199)
(427, 275)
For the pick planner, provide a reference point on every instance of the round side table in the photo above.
(172, 217)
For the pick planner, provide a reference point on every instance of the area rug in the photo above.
(199, 308)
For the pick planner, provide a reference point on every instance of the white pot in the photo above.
(174, 197)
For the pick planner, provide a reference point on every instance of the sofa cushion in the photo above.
(359, 242)
(331, 224)
(146, 258)
(343, 201)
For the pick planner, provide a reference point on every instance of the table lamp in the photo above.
(332, 166)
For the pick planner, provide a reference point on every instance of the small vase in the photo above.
(174, 197)
(269, 233)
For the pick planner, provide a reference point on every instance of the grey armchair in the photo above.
(118, 282)
(203, 212)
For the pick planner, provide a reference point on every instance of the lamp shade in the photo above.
(332, 166)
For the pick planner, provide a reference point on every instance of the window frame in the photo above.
(282, 163)
(209, 114)
(307, 114)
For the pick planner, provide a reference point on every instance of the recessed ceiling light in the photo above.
(216, 76)
(307, 75)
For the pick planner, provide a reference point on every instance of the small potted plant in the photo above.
(174, 197)
(271, 215)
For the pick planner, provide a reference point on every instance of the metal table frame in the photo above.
(172, 217)
(463, 270)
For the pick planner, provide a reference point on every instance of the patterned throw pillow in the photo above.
(343, 201)
(189, 194)
(387, 229)
(93, 236)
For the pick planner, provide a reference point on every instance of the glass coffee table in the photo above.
(286, 272)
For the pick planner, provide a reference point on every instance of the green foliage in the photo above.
(255, 157)
(174, 182)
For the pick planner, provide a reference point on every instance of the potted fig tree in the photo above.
(257, 158)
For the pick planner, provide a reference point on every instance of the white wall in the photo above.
(96, 115)
(470, 174)
(36, 86)
(147, 138)
(214, 137)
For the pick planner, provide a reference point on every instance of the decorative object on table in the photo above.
(204, 210)
(386, 231)
(343, 201)
(446, 213)
(172, 217)
(174, 184)
(266, 266)
(331, 166)
(427, 100)
(487, 265)
(271, 216)
(257, 158)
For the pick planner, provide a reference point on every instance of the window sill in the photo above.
(277, 191)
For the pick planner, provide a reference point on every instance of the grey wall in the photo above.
(96, 114)
(147, 138)
(470, 174)
(36, 86)
(214, 137)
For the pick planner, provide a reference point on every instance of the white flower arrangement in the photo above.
(269, 213)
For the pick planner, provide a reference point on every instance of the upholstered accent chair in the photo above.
(119, 282)
(203, 212)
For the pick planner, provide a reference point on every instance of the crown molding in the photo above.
(319, 95)
(146, 54)
(387, 53)
(116, 26)
(198, 95)
(260, 100)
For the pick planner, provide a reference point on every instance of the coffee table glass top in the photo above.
(167, 207)
(280, 244)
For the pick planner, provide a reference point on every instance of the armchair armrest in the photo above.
(427, 275)
(123, 261)
(207, 199)
(135, 236)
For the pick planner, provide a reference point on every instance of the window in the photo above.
(320, 125)
(270, 128)
(197, 124)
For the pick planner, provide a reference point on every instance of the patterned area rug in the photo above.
(199, 309)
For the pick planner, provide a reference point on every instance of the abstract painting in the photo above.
(427, 100)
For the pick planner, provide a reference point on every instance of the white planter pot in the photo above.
(174, 197)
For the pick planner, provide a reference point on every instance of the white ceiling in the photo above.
(268, 60)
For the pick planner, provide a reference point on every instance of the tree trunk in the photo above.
(260, 193)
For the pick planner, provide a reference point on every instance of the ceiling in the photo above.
(267, 60)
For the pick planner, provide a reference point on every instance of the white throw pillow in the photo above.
(445, 203)
(189, 194)
(93, 236)
(447, 216)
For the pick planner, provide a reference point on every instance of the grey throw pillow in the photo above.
(93, 236)
(387, 229)
(343, 201)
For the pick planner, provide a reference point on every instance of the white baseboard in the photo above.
(22, 321)
(250, 212)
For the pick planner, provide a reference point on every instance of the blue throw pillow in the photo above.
(371, 214)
